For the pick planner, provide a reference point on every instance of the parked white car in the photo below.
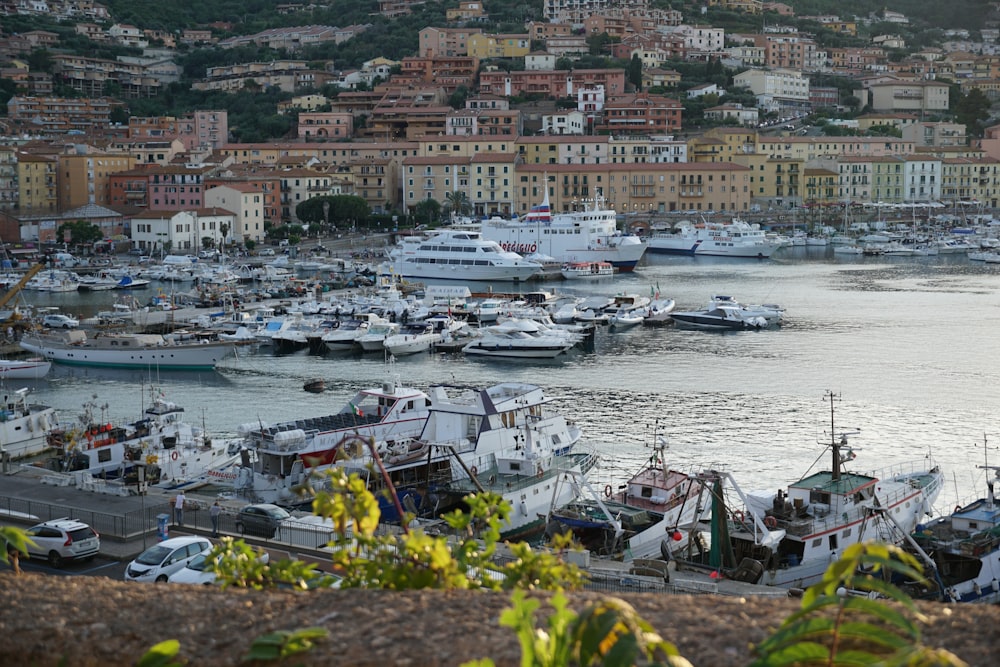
(61, 540)
(60, 322)
(160, 561)
(196, 571)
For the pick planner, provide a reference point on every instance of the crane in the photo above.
(13, 291)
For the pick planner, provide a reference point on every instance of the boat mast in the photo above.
(834, 445)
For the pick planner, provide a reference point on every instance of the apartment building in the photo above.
(482, 46)
(785, 86)
(37, 177)
(435, 177)
(57, 115)
(640, 114)
(919, 97)
(160, 188)
(8, 177)
(445, 42)
(577, 11)
(246, 202)
(84, 176)
(554, 83)
(325, 126)
(936, 134)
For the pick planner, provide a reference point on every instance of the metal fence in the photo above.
(120, 526)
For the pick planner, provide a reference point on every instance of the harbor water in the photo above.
(907, 344)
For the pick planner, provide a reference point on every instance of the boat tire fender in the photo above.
(474, 471)
(174, 455)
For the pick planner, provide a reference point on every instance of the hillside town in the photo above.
(655, 110)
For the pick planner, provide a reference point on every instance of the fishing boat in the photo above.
(23, 369)
(589, 235)
(502, 439)
(171, 450)
(279, 457)
(635, 521)
(962, 550)
(127, 350)
(789, 538)
(451, 254)
(24, 426)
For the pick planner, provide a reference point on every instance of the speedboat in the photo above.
(345, 336)
(412, 338)
(771, 312)
(374, 338)
(720, 318)
(658, 311)
(520, 338)
(789, 538)
(626, 318)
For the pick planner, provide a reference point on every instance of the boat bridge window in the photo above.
(104, 455)
(818, 542)
(816, 496)
(847, 533)
(833, 542)
(515, 466)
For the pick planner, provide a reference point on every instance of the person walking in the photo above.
(213, 514)
(179, 508)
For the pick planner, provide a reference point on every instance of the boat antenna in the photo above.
(990, 497)
(838, 441)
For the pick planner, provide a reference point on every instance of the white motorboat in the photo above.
(24, 426)
(718, 318)
(281, 456)
(626, 318)
(450, 254)
(588, 235)
(127, 350)
(23, 369)
(737, 238)
(345, 336)
(587, 270)
(519, 338)
(374, 338)
(789, 539)
(413, 338)
(658, 311)
(771, 312)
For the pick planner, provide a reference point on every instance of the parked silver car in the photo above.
(62, 540)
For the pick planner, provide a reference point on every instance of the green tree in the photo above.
(457, 202)
(972, 110)
(80, 232)
(427, 211)
(634, 72)
(339, 209)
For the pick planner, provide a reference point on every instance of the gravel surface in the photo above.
(96, 621)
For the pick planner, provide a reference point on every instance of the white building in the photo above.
(567, 122)
(921, 179)
(784, 85)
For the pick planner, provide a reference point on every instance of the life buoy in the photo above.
(474, 470)
(770, 522)
(607, 491)
(738, 516)
(174, 456)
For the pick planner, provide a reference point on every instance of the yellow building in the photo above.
(888, 178)
(722, 144)
(775, 180)
(499, 46)
(84, 179)
(820, 186)
(37, 186)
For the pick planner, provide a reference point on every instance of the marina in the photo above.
(724, 400)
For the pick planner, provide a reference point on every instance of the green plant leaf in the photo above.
(161, 655)
(797, 655)
(886, 613)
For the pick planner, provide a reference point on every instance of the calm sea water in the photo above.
(908, 344)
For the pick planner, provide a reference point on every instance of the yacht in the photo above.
(589, 235)
(524, 339)
(459, 255)
(737, 238)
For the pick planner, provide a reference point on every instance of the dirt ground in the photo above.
(94, 621)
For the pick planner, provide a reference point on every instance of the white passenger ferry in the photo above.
(451, 254)
(590, 235)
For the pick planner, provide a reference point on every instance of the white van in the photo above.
(64, 260)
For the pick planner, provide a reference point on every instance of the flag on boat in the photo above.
(541, 213)
(356, 410)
